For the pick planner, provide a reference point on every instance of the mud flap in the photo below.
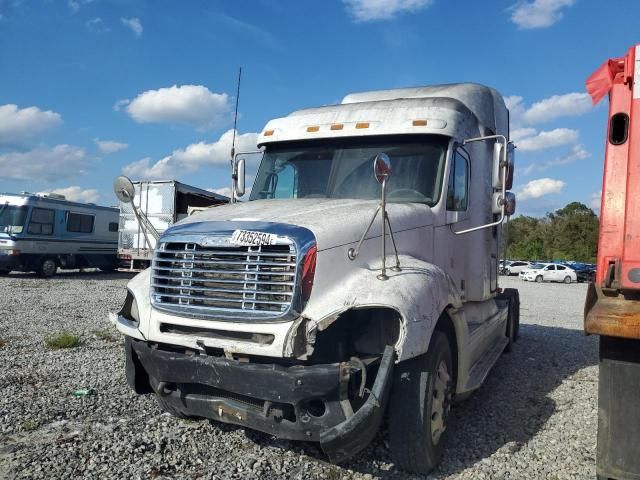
(354, 434)
(618, 412)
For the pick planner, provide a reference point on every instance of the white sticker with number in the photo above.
(250, 238)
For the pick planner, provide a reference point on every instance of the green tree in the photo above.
(570, 233)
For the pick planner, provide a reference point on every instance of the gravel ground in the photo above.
(535, 417)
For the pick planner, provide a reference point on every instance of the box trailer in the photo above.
(163, 203)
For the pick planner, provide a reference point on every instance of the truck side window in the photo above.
(41, 222)
(79, 223)
(457, 191)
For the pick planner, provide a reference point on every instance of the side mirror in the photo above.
(509, 203)
(124, 189)
(240, 180)
(382, 167)
(511, 154)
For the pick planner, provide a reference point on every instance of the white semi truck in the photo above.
(360, 278)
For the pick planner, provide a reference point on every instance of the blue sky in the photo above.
(90, 89)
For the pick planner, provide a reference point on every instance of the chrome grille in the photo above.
(191, 278)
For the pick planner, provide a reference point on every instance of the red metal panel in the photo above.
(614, 185)
(631, 246)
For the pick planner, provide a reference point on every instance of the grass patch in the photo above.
(29, 425)
(104, 335)
(64, 340)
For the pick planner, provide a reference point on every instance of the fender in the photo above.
(420, 293)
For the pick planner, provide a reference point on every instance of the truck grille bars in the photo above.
(188, 278)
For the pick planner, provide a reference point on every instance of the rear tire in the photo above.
(539, 279)
(48, 268)
(419, 407)
(567, 279)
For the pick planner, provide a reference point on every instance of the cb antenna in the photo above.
(234, 173)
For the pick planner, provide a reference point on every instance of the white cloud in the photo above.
(193, 157)
(521, 133)
(547, 109)
(540, 187)
(538, 13)
(77, 194)
(109, 146)
(120, 104)
(226, 191)
(96, 25)
(191, 104)
(578, 152)
(133, 24)
(45, 164)
(547, 139)
(18, 124)
(594, 201)
(570, 104)
(367, 10)
(144, 170)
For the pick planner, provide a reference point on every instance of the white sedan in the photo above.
(551, 273)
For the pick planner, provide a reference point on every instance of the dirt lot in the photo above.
(535, 417)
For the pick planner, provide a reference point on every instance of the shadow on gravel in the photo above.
(70, 275)
(508, 410)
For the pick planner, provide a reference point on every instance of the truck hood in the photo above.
(334, 222)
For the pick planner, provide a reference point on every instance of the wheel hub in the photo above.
(441, 401)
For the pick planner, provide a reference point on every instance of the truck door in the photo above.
(458, 211)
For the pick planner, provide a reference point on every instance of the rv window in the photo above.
(41, 222)
(76, 222)
(113, 227)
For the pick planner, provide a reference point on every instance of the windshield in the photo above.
(12, 218)
(537, 266)
(330, 170)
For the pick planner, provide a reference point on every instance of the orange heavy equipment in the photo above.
(612, 308)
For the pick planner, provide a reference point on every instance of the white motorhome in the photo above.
(303, 313)
(41, 232)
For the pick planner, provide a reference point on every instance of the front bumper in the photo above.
(299, 402)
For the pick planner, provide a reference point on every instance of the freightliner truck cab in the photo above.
(359, 279)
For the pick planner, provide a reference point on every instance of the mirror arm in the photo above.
(503, 169)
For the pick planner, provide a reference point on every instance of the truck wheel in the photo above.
(420, 403)
(539, 279)
(567, 279)
(169, 409)
(48, 268)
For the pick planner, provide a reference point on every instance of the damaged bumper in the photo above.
(297, 402)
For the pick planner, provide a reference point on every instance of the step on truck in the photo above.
(612, 308)
(361, 277)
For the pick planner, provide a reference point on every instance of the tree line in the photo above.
(570, 233)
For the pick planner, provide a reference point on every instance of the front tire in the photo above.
(420, 404)
(48, 268)
(539, 279)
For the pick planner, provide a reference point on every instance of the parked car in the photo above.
(532, 266)
(515, 267)
(551, 273)
(585, 272)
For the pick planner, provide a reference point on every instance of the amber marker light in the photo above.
(360, 125)
(419, 123)
(337, 126)
(268, 133)
(315, 128)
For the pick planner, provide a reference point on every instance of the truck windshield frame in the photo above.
(13, 218)
(343, 168)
